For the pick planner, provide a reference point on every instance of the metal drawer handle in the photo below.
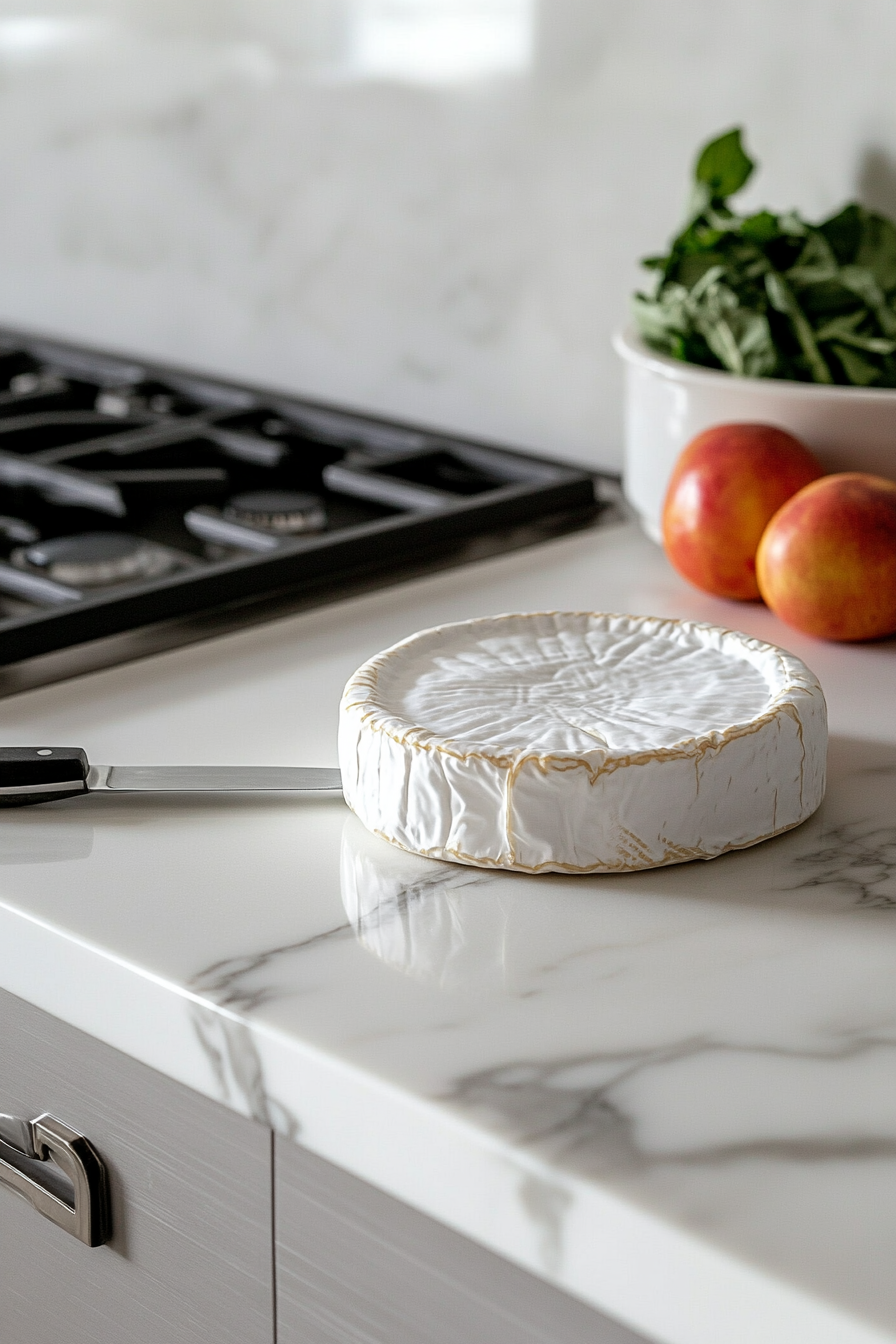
(59, 1173)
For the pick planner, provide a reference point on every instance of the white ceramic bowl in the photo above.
(668, 402)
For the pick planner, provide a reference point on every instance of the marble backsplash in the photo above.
(428, 208)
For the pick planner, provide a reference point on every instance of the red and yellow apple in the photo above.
(726, 485)
(826, 563)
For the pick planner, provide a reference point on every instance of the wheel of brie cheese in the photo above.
(578, 742)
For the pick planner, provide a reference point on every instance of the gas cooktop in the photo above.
(143, 506)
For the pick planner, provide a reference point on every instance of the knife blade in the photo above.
(212, 779)
(30, 775)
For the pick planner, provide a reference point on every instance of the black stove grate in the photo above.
(135, 496)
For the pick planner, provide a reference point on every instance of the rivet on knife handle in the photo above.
(41, 774)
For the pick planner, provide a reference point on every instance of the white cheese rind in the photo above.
(581, 742)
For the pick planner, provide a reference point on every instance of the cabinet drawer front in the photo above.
(355, 1266)
(189, 1260)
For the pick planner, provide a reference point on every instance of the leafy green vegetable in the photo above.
(773, 296)
(723, 166)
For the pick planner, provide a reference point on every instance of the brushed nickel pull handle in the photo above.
(60, 1174)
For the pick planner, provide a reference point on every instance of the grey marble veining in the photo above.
(720, 1012)
(242, 985)
(859, 856)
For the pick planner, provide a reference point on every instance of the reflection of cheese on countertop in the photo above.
(577, 742)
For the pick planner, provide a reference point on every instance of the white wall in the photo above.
(426, 207)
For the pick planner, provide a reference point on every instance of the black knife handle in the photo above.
(41, 774)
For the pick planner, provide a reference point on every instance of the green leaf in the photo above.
(742, 342)
(843, 329)
(661, 322)
(696, 238)
(757, 346)
(761, 228)
(793, 224)
(706, 282)
(782, 298)
(691, 269)
(815, 263)
(699, 201)
(753, 270)
(874, 345)
(830, 298)
(723, 166)
(840, 326)
(877, 249)
(863, 283)
(860, 371)
(844, 233)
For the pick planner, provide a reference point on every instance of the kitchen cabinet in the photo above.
(355, 1264)
(189, 1260)
(190, 1256)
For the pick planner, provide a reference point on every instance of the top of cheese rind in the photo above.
(590, 686)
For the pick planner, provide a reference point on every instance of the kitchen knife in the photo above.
(46, 774)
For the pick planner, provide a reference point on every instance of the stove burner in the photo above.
(140, 498)
(138, 398)
(16, 529)
(282, 512)
(96, 559)
(24, 384)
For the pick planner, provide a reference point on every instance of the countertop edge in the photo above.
(585, 1240)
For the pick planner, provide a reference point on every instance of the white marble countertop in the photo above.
(672, 1093)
